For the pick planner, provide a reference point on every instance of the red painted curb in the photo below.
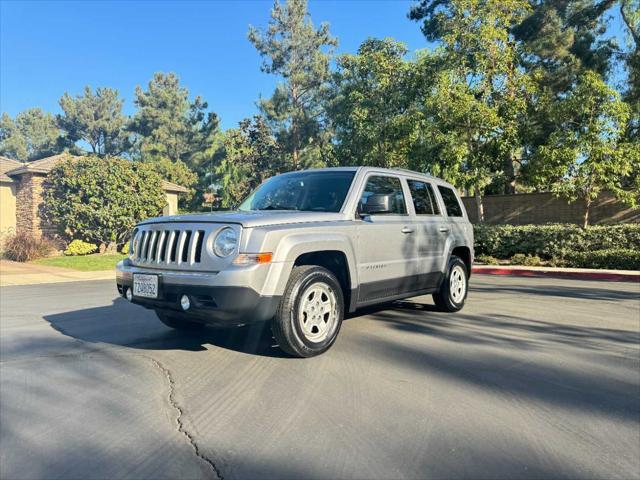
(522, 272)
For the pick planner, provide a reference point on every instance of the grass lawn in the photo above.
(85, 263)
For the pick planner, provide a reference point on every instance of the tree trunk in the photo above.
(296, 153)
(510, 177)
(479, 207)
(587, 207)
(295, 135)
(108, 248)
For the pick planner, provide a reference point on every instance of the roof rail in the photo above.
(413, 171)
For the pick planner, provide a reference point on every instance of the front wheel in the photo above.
(310, 313)
(454, 288)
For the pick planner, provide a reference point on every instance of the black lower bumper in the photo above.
(212, 305)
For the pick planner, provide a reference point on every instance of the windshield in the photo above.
(304, 191)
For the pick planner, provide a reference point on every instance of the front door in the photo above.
(387, 242)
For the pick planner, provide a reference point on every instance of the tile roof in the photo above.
(173, 187)
(45, 165)
(7, 164)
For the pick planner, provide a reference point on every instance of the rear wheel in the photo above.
(173, 321)
(454, 288)
(310, 313)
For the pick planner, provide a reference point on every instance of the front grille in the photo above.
(168, 246)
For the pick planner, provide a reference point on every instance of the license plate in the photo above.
(145, 286)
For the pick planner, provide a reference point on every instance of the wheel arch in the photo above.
(336, 262)
(464, 253)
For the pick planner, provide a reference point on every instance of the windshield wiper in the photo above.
(276, 207)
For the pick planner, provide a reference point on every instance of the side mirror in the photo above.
(376, 203)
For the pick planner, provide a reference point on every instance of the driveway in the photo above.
(535, 378)
(20, 273)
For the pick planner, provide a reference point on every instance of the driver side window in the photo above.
(385, 186)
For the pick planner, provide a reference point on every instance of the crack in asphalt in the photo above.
(157, 364)
(181, 426)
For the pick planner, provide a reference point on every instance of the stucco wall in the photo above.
(538, 208)
(172, 204)
(7, 209)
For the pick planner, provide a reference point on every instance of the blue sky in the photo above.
(47, 47)
(51, 47)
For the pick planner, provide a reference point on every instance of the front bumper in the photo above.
(211, 304)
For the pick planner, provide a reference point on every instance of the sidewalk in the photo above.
(553, 272)
(16, 273)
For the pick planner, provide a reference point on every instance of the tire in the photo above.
(310, 313)
(177, 323)
(454, 288)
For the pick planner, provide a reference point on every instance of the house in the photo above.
(21, 188)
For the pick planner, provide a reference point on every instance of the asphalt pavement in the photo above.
(535, 378)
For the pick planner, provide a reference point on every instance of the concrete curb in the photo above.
(574, 273)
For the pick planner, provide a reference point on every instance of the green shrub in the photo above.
(518, 259)
(487, 260)
(78, 247)
(557, 262)
(25, 248)
(532, 261)
(613, 258)
(101, 199)
(528, 260)
(125, 249)
(553, 240)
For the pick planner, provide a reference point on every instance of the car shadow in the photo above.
(132, 326)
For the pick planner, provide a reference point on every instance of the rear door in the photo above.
(458, 224)
(431, 230)
(387, 243)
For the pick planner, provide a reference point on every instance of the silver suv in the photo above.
(302, 250)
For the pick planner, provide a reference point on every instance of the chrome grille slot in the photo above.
(186, 247)
(162, 237)
(198, 248)
(174, 245)
(152, 246)
(145, 246)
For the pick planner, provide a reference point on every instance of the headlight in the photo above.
(225, 242)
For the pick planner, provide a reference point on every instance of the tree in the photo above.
(168, 125)
(292, 48)
(566, 38)
(179, 173)
(630, 13)
(374, 109)
(478, 100)
(95, 118)
(33, 134)
(587, 152)
(100, 200)
(561, 41)
(248, 156)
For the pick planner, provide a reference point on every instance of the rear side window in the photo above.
(424, 201)
(450, 202)
(386, 186)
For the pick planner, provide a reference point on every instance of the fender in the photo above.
(291, 246)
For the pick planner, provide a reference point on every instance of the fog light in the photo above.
(129, 294)
(184, 302)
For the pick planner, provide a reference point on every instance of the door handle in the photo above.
(407, 230)
(443, 229)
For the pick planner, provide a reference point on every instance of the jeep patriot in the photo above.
(302, 250)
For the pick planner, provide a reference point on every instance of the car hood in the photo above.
(251, 219)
